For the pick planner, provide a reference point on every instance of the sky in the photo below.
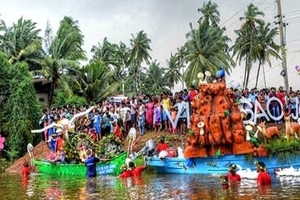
(165, 21)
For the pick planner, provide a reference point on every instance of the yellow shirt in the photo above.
(167, 103)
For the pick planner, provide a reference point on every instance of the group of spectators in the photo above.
(145, 112)
(288, 98)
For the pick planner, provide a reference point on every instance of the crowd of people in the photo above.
(145, 112)
(288, 98)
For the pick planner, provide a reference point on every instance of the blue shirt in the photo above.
(91, 164)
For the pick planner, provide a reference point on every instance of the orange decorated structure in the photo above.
(216, 123)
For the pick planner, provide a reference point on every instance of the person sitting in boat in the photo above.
(25, 169)
(263, 177)
(161, 148)
(136, 171)
(60, 156)
(162, 145)
(90, 164)
(60, 141)
(232, 175)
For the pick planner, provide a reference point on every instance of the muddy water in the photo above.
(38, 186)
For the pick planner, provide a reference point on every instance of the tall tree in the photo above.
(210, 13)
(95, 82)
(207, 50)
(265, 47)
(20, 109)
(173, 74)
(155, 81)
(21, 42)
(64, 51)
(247, 33)
(139, 53)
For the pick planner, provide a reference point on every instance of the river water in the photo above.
(149, 186)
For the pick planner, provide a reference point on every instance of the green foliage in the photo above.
(283, 145)
(20, 109)
(62, 100)
(4, 164)
(191, 132)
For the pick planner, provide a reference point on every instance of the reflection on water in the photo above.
(38, 186)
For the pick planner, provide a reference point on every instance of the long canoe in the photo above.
(109, 167)
(218, 165)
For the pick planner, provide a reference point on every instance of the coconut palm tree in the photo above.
(210, 12)
(173, 74)
(139, 53)
(265, 47)
(207, 50)
(155, 81)
(63, 52)
(180, 60)
(249, 30)
(116, 56)
(21, 42)
(95, 82)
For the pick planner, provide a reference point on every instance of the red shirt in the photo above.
(59, 144)
(263, 178)
(117, 131)
(125, 174)
(233, 177)
(25, 171)
(137, 171)
(192, 94)
(162, 146)
(281, 97)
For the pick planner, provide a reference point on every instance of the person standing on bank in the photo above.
(91, 164)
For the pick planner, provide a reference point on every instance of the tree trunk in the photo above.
(257, 74)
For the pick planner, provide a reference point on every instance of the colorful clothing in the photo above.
(91, 164)
(157, 114)
(125, 174)
(25, 171)
(233, 177)
(149, 113)
(161, 146)
(263, 178)
(137, 171)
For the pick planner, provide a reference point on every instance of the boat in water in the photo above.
(222, 131)
(109, 167)
(217, 165)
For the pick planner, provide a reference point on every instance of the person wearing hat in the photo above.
(232, 175)
(263, 177)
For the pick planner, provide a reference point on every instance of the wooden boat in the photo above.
(217, 165)
(109, 167)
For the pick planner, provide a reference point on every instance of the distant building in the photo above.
(42, 87)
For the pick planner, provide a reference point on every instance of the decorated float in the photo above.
(220, 133)
(108, 149)
(111, 156)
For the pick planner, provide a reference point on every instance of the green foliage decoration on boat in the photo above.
(283, 148)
